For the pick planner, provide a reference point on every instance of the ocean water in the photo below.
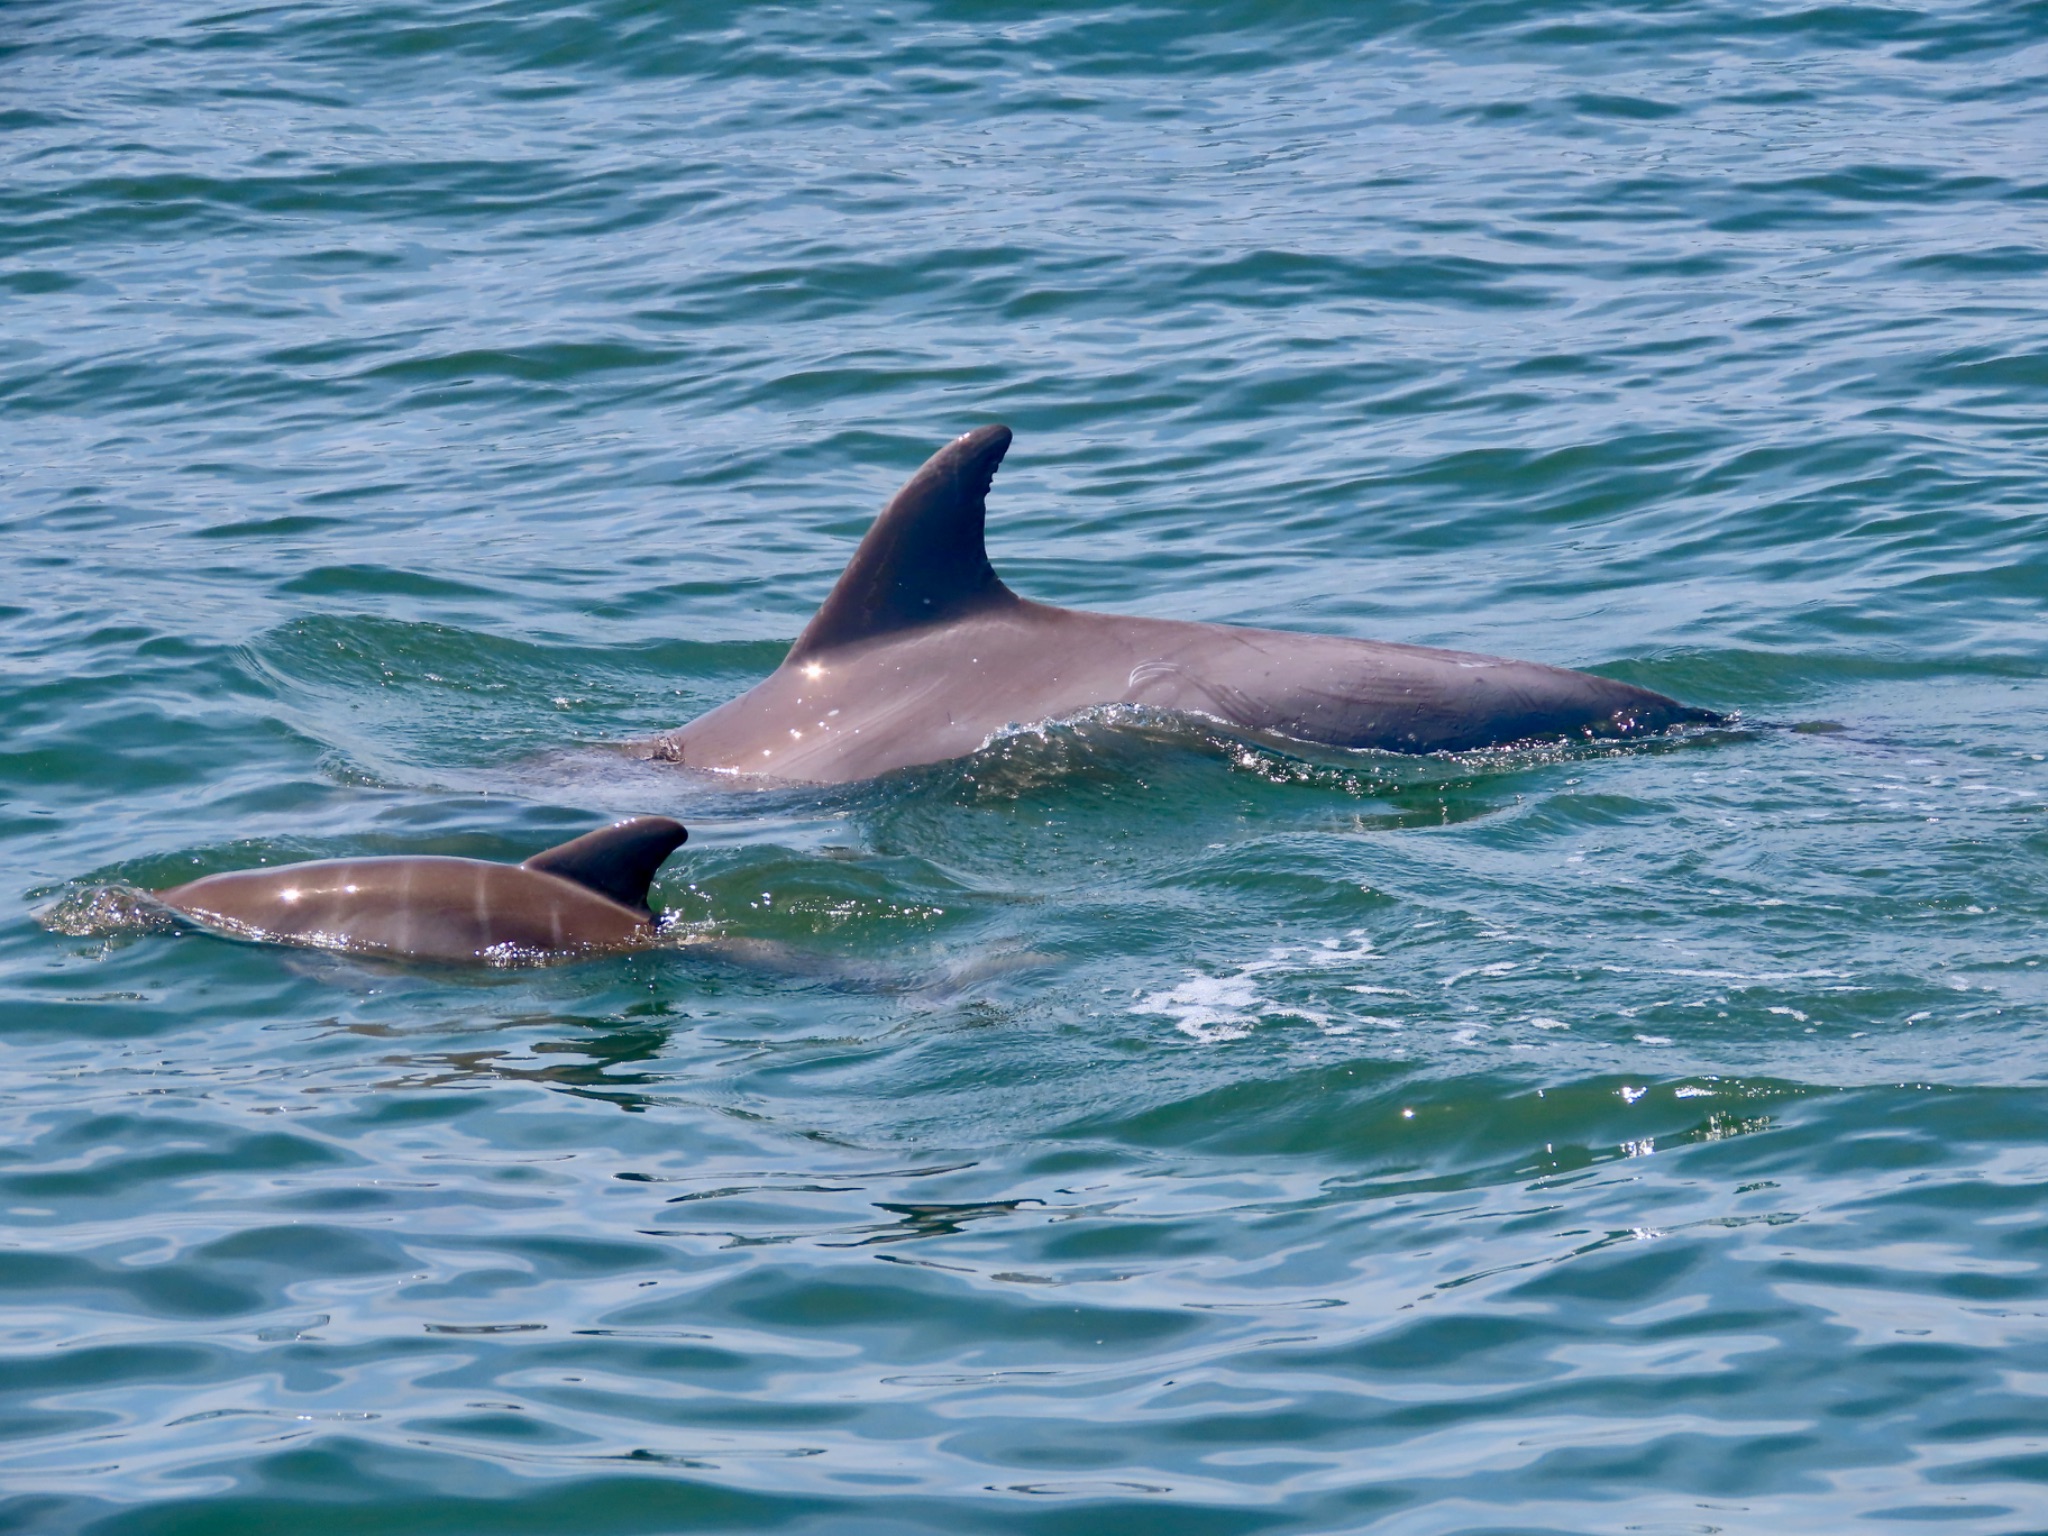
(1127, 1129)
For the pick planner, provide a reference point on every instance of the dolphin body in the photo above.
(922, 654)
(584, 897)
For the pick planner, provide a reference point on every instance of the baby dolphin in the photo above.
(587, 896)
(921, 654)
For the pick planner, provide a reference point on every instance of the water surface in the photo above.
(404, 404)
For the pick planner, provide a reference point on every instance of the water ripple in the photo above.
(1125, 1127)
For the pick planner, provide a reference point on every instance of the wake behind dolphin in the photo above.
(921, 654)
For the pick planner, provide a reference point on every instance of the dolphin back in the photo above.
(921, 654)
(586, 895)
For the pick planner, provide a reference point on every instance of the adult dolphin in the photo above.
(583, 897)
(921, 654)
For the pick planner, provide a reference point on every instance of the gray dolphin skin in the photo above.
(922, 654)
(585, 897)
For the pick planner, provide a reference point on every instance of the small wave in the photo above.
(1124, 742)
(117, 910)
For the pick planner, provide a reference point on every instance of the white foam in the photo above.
(1210, 1008)
(1213, 1009)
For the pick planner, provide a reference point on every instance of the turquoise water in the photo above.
(1125, 1131)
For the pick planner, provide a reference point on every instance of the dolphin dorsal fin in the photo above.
(924, 559)
(617, 861)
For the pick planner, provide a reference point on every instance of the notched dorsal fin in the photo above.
(617, 861)
(924, 559)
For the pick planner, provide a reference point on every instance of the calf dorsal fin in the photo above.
(924, 559)
(617, 861)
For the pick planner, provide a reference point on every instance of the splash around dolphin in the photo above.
(580, 899)
(921, 654)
